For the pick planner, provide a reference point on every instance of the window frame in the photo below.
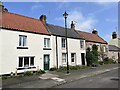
(22, 40)
(74, 57)
(63, 43)
(82, 44)
(64, 60)
(23, 61)
(47, 43)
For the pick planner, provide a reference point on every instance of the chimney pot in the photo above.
(114, 35)
(72, 25)
(1, 6)
(95, 32)
(43, 18)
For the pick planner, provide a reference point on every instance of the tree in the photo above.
(95, 53)
(92, 55)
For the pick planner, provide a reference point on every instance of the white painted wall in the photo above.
(0, 52)
(10, 53)
(35, 44)
(73, 47)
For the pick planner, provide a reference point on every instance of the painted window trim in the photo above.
(29, 66)
(64, 43)
(74, 57)
(64, 63)
(48, 41)
(83, 46)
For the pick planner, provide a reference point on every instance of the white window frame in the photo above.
(23, 60)
(82, 44)
(64, 58)
(22, 40)
(46, 42)
(74, 57)
(63, 43)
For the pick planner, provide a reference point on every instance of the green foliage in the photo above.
(62, 68)
(101, 62)
(40, 72)
(5, 77)
(89, 56)
(53, 69)
(92, 55)
(28, 73)
(77, 67)
(108, 61)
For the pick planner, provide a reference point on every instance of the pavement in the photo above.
(52, 79)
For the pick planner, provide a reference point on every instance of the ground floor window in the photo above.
(64, 58)
(73, 57)
(26, 62)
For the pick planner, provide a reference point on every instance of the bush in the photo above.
(108, 61)
(5, 77)
(40, 72)
(77, 67)
(53, 69)
(101, 62)
(28, 73)
(62, 68)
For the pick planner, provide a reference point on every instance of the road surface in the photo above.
(105, 80)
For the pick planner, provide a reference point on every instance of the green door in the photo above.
(46, 62)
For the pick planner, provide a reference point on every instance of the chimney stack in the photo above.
(95, 32)
(1, 6)
(114, 35)
(72, 25)
(43, 19)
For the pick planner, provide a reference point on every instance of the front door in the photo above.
(83, 58)
(46, 62)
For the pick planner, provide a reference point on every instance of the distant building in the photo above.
(93, 38)
(114, 52)
(114, 47)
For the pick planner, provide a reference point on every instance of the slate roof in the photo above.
(60, 31)
(18, 22)
(92, 37)
(113, 48)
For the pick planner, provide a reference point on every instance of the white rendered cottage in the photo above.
(25, 44)
(76, 45)
(28, 44)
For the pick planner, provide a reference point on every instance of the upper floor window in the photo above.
(47, 42)
(81, 44)
(63, 43)
(22, 40)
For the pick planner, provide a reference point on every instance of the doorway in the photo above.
(83, 58)
(46, 61)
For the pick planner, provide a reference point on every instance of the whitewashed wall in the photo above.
(0, 52)
(73, 47)
(35, 44)
(10, 53)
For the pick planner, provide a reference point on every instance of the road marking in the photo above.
(58, 79)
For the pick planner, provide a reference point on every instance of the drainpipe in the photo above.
(56, 52)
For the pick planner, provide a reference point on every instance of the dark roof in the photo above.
(92, 37)
(60, 31)
(114, 48)
(18, 22)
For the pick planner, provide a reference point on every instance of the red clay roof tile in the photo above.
(92, 37)
(22, 23)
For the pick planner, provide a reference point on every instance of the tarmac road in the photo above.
(105, 80)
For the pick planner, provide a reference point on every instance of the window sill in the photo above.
(46, 48)
(22, 47)
(25, 68)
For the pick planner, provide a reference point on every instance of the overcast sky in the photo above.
(86, 15)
